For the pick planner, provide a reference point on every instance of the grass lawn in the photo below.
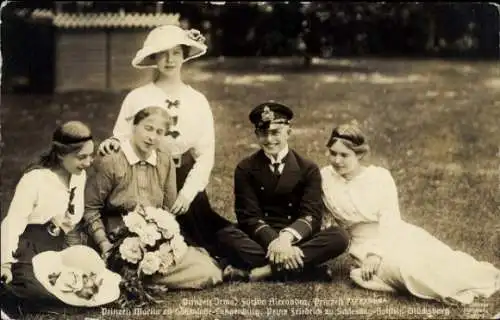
(434, 124)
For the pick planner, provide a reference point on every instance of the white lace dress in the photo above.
(412, 259)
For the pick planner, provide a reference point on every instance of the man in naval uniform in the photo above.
(278, 206)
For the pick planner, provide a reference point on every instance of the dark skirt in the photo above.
(24, 285)
(200, 223)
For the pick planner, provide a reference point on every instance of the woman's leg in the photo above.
(24, 284)
(200, 223)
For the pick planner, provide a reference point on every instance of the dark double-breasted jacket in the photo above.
(265, 203)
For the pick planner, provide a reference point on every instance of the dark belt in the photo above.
(52, 229)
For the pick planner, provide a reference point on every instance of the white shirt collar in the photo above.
(281, 155)
(132, 157)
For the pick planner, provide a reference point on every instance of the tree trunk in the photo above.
(431, 37)
(431, 29)
(307, 61)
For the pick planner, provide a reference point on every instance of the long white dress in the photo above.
(412, 259)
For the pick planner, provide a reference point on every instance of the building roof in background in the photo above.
(105, 20)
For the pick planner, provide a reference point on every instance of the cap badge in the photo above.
(267, 115)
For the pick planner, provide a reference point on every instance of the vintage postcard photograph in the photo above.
(249, 160)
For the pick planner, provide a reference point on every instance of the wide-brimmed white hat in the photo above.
(166, 37)
(77, 259)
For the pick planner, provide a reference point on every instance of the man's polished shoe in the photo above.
(324, 272)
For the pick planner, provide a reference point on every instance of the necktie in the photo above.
(276, 168)
(71, 206)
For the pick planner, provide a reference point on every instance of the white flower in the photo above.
(140, 210)
(149, 235)
(134, 222)
(150, 212)
(166, 234)
(130, 250)
(179, 247)
(166, 257)
(195, 35)
(165, 220)
(150, 263)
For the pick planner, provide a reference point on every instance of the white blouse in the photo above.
(367, 206)
(40, 196)
(195, 126)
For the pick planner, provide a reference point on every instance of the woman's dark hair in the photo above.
(351, 136)
(148, 111)
(185, 50)
(67, 138)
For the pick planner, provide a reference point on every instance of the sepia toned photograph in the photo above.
(249, 160)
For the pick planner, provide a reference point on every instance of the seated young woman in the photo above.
(46, 207)
(141, 174)
(393, 255)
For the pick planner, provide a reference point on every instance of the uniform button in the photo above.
(265, 214)
(142, 162)
(289, 217)
(261, 188)
(290, 204)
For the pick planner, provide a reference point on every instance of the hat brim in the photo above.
(144, 57)
(77, 257)
(272, 125)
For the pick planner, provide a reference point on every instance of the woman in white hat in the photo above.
(191, 139)
(141, 174)
(46, 207)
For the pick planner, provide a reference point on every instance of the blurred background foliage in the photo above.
(321, 29)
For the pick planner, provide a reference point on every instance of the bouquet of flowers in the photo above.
(148, 244)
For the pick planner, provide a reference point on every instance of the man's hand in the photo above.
(280, 248)
(370, 266)
(277, 250)
(181, 205)
(109, 145)
(294, 260)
